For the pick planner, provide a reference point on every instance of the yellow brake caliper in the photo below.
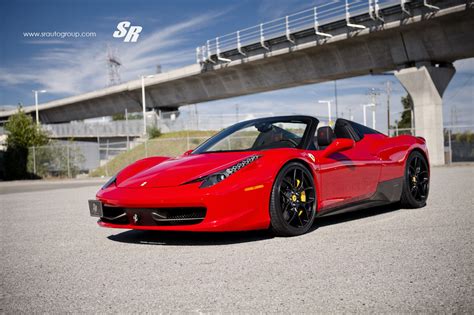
(303, 199)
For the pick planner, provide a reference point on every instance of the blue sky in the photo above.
(171, 31)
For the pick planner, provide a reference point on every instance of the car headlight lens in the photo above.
(110, 182)
(217, 177)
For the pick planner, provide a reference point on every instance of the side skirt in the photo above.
(387, 192)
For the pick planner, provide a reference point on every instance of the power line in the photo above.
(462, 86)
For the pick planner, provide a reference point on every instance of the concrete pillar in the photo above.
(426, 84)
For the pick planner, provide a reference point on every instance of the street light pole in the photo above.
(335, 97)
(373, 118)
(36, 104)
(389, 91)
(128, 130)
(144, 105)
(144, 101)
(365, 114)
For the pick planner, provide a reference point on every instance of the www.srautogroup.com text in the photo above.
(61, 35)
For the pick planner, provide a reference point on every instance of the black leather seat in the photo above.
(341, 129)
(325, 137)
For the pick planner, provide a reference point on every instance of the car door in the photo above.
(349, 176)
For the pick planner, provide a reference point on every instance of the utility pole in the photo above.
(389, 92)
(236, 113)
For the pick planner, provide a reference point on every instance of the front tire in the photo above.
(293, 201)
(416, 184)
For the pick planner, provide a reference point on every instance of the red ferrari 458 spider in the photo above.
(278, 172)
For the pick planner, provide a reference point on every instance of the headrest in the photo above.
(325, 136)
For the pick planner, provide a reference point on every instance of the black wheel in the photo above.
(417, 182)
(293, 201)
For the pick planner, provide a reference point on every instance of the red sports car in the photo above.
(278, 172)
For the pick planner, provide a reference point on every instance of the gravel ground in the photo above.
(55, 259)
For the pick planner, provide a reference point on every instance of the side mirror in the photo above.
(187, 153)
(338, 145)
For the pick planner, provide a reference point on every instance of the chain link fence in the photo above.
(458, 142)
(170, 147)
(63, 159)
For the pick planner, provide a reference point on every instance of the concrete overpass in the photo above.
(416, 38)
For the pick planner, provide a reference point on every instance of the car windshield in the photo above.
(255, 135)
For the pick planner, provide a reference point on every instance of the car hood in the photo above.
(177, 171)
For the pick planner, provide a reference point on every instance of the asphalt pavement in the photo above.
(55, 259)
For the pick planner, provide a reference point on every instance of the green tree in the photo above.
(22, 134)
(405, 119)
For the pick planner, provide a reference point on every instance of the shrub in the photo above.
(154, 132)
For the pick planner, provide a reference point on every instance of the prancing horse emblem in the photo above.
(135, 218)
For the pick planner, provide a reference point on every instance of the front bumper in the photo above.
(185, 208)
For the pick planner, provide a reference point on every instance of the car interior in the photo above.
(325, 135)
(272, 137)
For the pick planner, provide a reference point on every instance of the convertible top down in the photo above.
(277, 172)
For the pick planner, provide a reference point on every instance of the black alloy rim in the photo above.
(297, 198)
(418, 178)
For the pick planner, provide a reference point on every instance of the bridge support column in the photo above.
(426, 84)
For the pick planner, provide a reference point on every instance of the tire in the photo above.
(293, 201)
(416, 183)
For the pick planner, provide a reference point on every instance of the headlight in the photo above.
(110, 182)
(211, 180)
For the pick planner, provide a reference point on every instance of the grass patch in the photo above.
(170, 144)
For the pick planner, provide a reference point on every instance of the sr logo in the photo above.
(131, 33)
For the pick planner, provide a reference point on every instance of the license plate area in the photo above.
(95, 208)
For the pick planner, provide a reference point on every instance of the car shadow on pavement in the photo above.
(227, 238)
(189, 238)
(353, 215)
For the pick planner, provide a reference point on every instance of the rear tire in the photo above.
(293, 201)
(416, 183)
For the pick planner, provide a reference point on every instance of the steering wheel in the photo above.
(292, 141)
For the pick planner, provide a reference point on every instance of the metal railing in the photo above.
(134, 127)
(314, 19)
(105, 129)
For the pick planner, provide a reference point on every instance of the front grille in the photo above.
(114, 215)
(154, 216)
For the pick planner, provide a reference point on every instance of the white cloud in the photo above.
(273, 9)
(465, 66)
(81, 67)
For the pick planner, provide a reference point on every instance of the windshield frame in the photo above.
(311, 125)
